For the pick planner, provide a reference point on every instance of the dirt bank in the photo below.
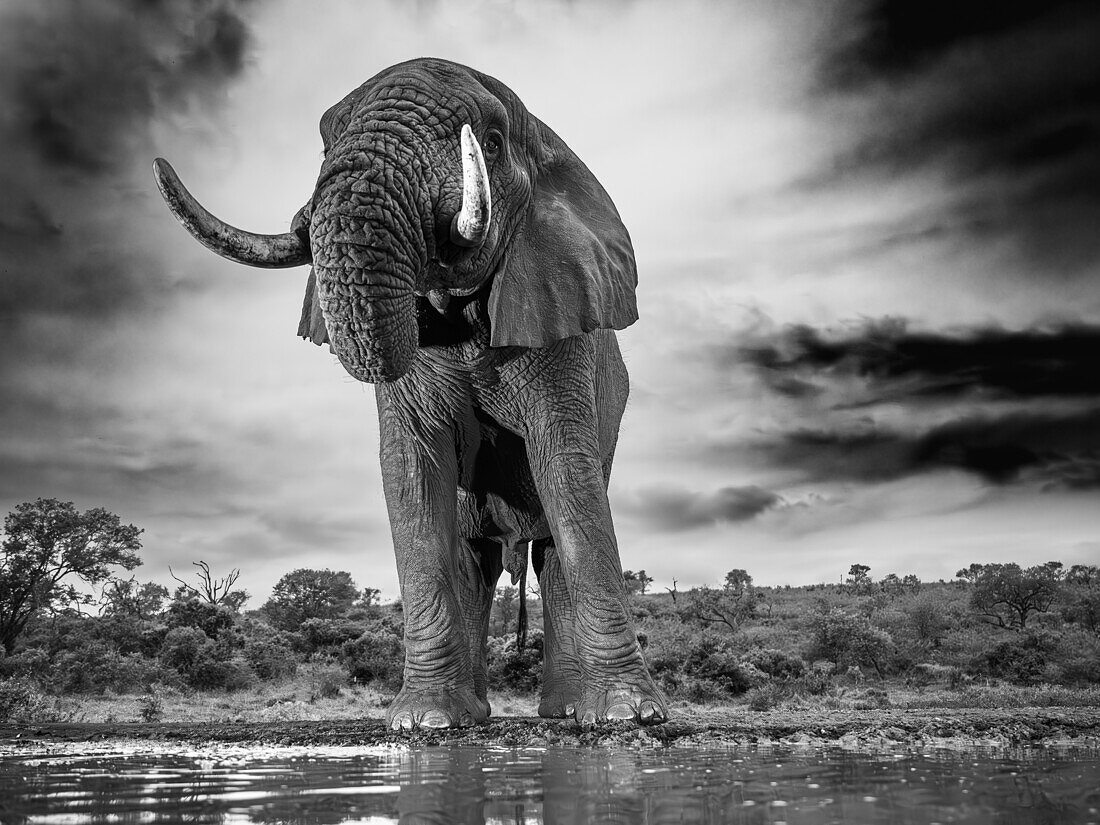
(857, 730)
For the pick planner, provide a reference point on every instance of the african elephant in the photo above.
(467, 263)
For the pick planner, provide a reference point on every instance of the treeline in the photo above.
(995, 622)
(71, 623)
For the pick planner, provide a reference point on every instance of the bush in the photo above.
(271, 655)
(815, 682)
(96, 668)
(326, 680)
(375, 657)
(849, 639)
(21, 700)
(698, 665)
(33, 663)
(775, 663)
(204, 663)
(325, 634)
(1021, 659)
(151, 708)
(515, 669)
(767, 696)
(1076, 660)
(211, 619)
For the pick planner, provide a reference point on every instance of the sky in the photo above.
(866, 235)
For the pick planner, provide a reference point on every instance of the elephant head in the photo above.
(436, 180)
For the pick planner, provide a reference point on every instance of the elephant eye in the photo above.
(494, 145)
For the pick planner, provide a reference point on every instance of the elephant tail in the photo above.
(521, 621)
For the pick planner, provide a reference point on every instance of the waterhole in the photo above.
(143, 783)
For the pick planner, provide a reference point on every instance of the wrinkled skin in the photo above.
(499, 381)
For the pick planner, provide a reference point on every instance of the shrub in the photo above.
(21, 700)
(97, 667)
(270, 653)
(181, 648)
(204, 663)
(375, 657)
(321, 634)
(697, 665)
(767, 696)
(211, 672)
(1076, 660)
(848, 639)
(1022, 658)
(326, 680)
(815, 682)
(151, 708)
(775, 663)
(211, 619)
(513, 668)
(31, 663)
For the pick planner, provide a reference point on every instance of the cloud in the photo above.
(880, 402)
(673, 509)
(893, 363)
(81, 85)
(999, 106)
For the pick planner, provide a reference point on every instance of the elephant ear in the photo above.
(571, 267)
(312, 325)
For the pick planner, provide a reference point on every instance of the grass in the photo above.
(298, 699)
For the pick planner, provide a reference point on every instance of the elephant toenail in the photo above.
(589, 719)
(570, 710)
(407, 721)
(648, 712)
(435, 719)
(620, 711)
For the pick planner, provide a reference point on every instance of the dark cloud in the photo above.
(1004, 97)
(81, 83)
(1009, 406)
(1050, 450)
(673, 509)
(898, 37)
(890, 362)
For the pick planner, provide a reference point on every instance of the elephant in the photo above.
(468, 264)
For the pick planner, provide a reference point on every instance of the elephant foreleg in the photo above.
(557, 402)
(561, 674)
(419, 476)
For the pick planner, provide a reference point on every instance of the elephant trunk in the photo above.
(367, 253)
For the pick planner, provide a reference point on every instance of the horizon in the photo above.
(868, 276)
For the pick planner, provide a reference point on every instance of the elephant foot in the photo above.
(442, 708)
(636, 700)
(558, 701)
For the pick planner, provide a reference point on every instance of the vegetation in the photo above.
(72, 626)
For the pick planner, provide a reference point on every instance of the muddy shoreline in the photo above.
(1062, 727)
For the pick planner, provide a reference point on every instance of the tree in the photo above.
(1007, 596)
(1080, 599)
(505, 601)
(970, 574)
(636, 582)
(211, 590)
(731, 606)
(127, 598)
(847, 638)
(48, 548)
(858, 577)
(310, 594)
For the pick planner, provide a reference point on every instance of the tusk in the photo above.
(270, 251)
(471, 225)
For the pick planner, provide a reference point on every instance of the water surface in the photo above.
(149, 783)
